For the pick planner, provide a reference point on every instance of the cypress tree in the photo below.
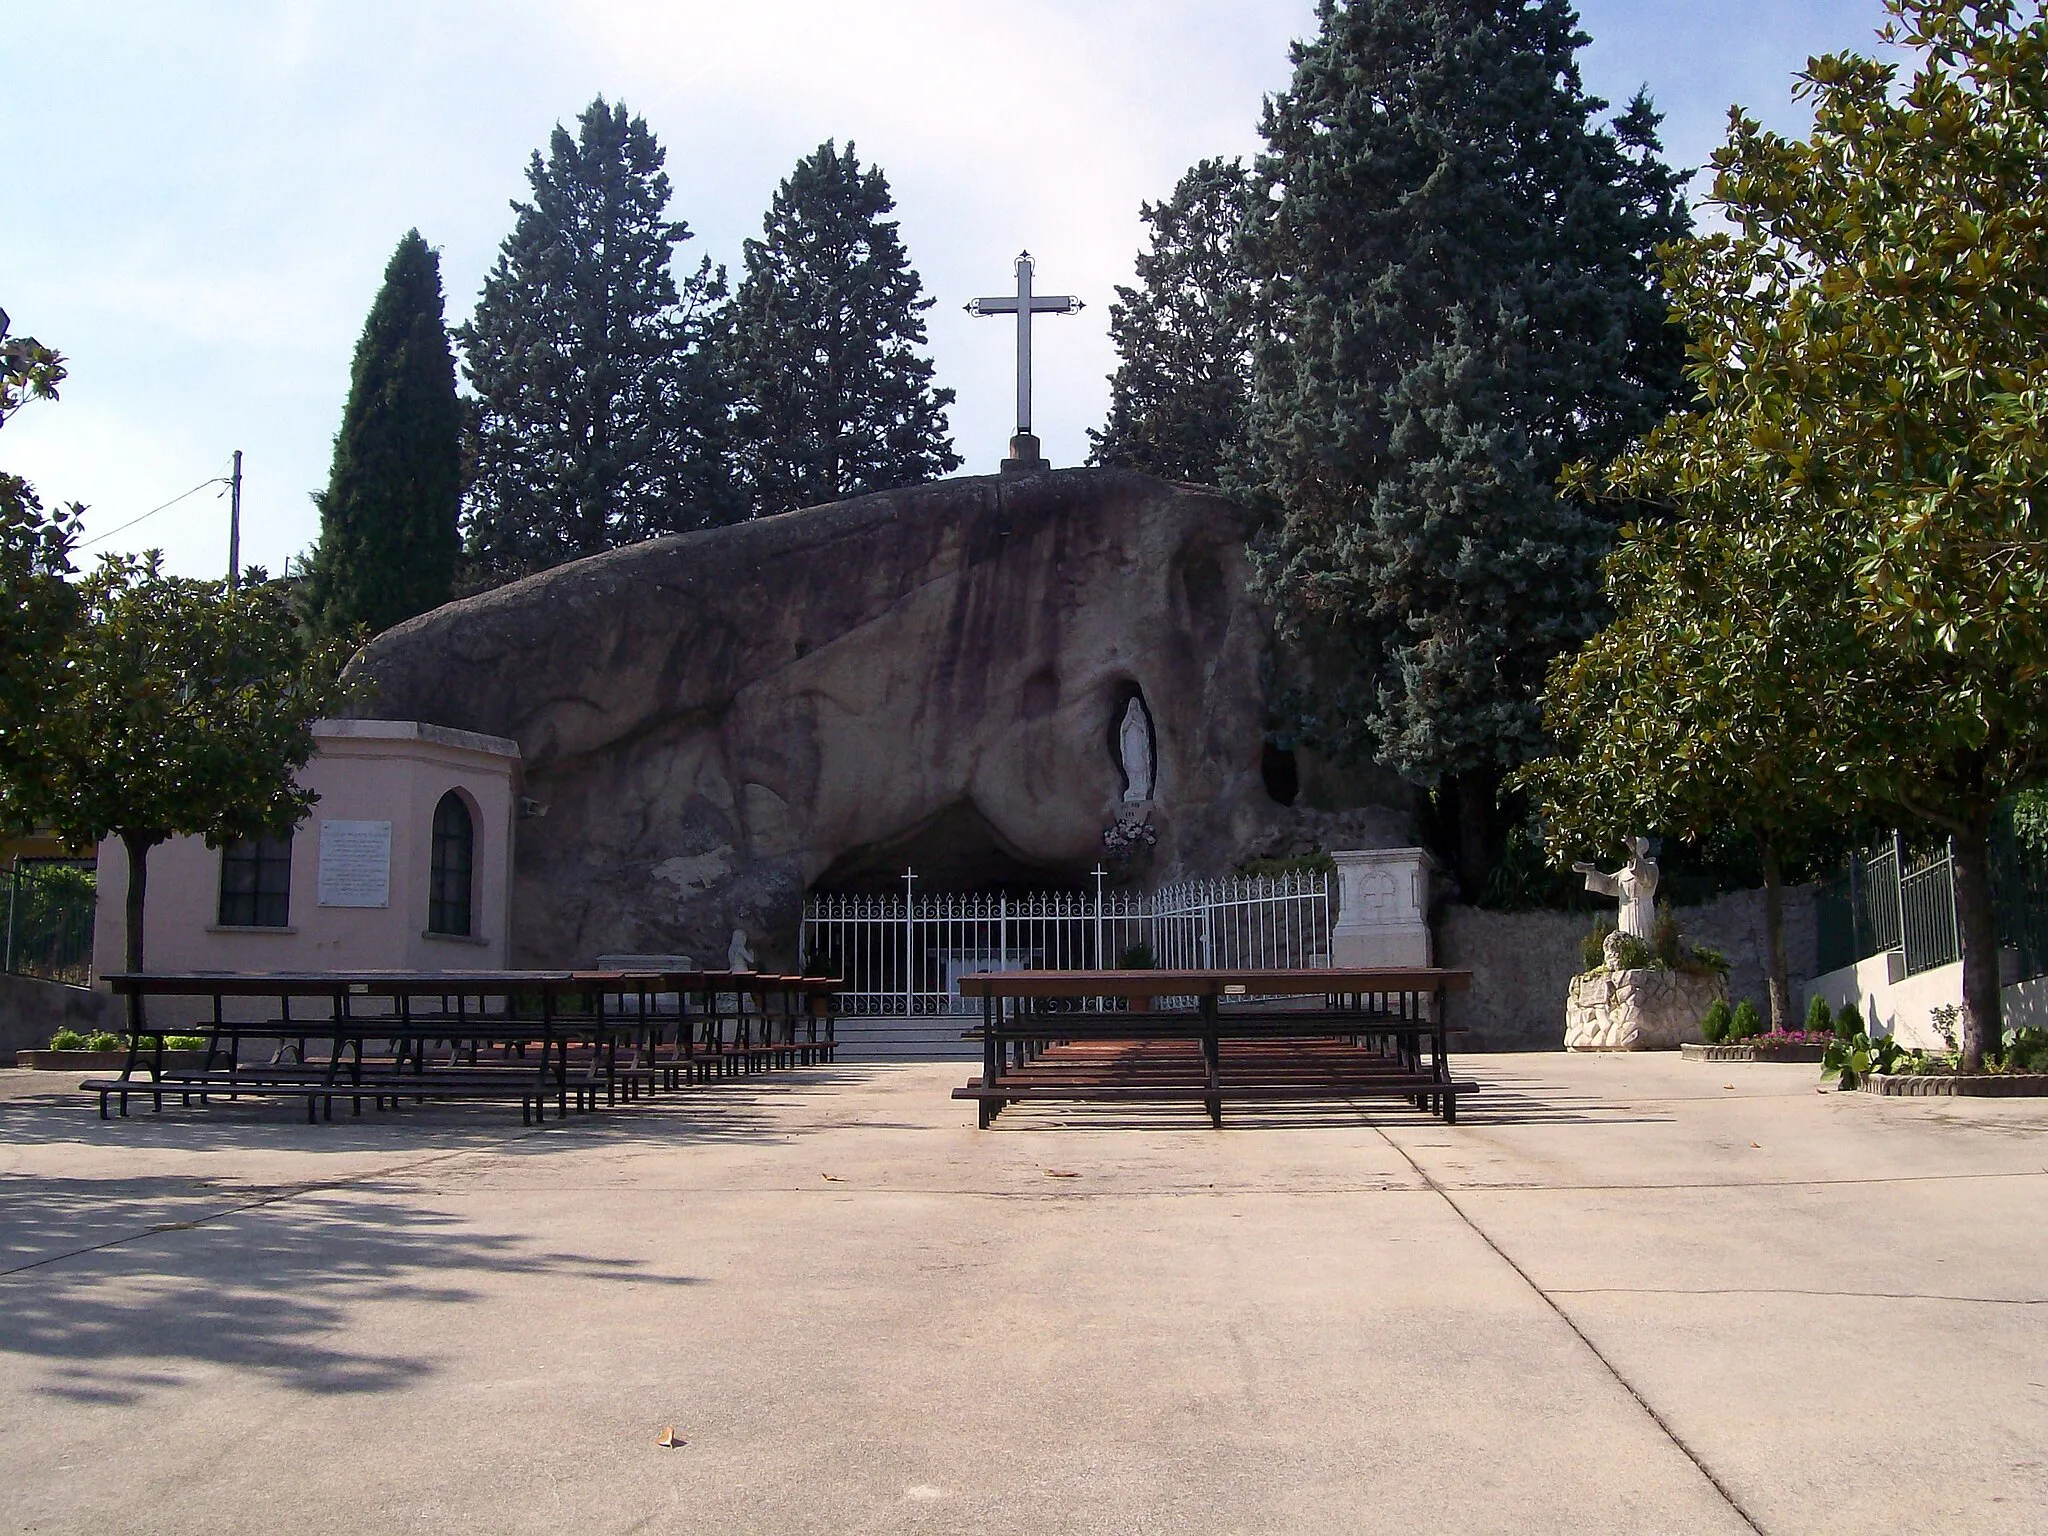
(833, 397)
(388, 518)
(1460, 260)
(599, 417)
(1182, 389)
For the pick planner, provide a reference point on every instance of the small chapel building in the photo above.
(404, 863)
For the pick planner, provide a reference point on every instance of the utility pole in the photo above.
(235, 525)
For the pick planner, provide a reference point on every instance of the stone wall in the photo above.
(31, 1011)
(1522, 963)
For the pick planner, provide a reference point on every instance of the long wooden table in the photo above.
(1205, 1036)
(566, 1037)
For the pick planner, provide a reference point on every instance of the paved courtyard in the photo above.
(1624, 1294)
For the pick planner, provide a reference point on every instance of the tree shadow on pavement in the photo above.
(264, 1289)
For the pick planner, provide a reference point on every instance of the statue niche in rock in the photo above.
(1638, 998)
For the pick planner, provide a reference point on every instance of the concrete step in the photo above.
(924, 1038)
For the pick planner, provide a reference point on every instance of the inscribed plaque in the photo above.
(355, 863)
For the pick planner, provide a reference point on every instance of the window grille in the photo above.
(448, 883)
(256, 882)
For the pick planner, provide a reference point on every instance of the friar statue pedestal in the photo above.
(1382, 908)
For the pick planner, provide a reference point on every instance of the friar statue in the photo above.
(1634, 886)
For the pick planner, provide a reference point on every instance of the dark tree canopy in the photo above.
(38, 606)
(389, 517)
(599, 417)
(834, 398)
(1182, 389)
(1459, 265)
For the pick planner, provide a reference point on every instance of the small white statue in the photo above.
(738, 957)
(1134, 746)
(1634, 886)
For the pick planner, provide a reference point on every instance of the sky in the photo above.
(199, 199)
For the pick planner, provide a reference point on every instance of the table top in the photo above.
(1304, 983)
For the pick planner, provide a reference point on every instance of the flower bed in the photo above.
(1793, 1045)
(1974, 1085)
(103, 1061)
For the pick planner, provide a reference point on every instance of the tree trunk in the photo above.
(1779, 984)
(1983, 1026)
(138, 847)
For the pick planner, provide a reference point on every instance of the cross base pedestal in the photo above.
(1024, 458)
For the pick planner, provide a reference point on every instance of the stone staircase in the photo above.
(925, 1038)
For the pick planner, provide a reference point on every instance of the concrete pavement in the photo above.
(1626, 1294)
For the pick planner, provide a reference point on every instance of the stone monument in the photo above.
(1134, 747)
(1382, 908)
(1634, 1008)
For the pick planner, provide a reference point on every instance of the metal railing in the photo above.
(1887, 898)
(901, 955)
(50, 904)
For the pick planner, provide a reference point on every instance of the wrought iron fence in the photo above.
(900, 955)
(1888, 898)
(50, 905)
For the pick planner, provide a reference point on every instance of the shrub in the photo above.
(1714, 1025)
(1664, 937)
(1848, 1021)
(100, 1040)
(1745, 1023)
(1632, 954)
(1820, 1018)
(1592, 948)
(67, 1040)
(1703, 961)
(184, 1042)
(1137, 958)
(2026, 1050)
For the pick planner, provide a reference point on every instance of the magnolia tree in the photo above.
(1869, 346)
(187, 711)
(1694, 713)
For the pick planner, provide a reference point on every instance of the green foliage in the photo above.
(187, 711)
(1745, 1023)
(1704, 960)
(1664, 946)
(1848, 1022)
(389, 517)
(67, 1040)
(1593, 945)
(1820, 1018)
(1632, 954)
(1869, 340)
(1715, 1021)
(2026, 1050)
(1847, 1062)
(600, 416)
(1181, 392)
(1456, 261)
(103, 1040)
(38, 607)
(834, 397)
(184, 1042)
(1138, 957)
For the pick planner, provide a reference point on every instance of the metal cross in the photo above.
(1024, 306)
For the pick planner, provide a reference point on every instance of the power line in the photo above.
(152, 512)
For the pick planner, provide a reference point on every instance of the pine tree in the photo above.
(1460, 261)
(599, 417)
(1181, 392)
(834, 398)
(389, 517)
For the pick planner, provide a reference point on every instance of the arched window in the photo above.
(448, 882)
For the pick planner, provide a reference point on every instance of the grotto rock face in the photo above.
(939, 677)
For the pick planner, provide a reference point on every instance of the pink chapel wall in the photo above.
(362, 770)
